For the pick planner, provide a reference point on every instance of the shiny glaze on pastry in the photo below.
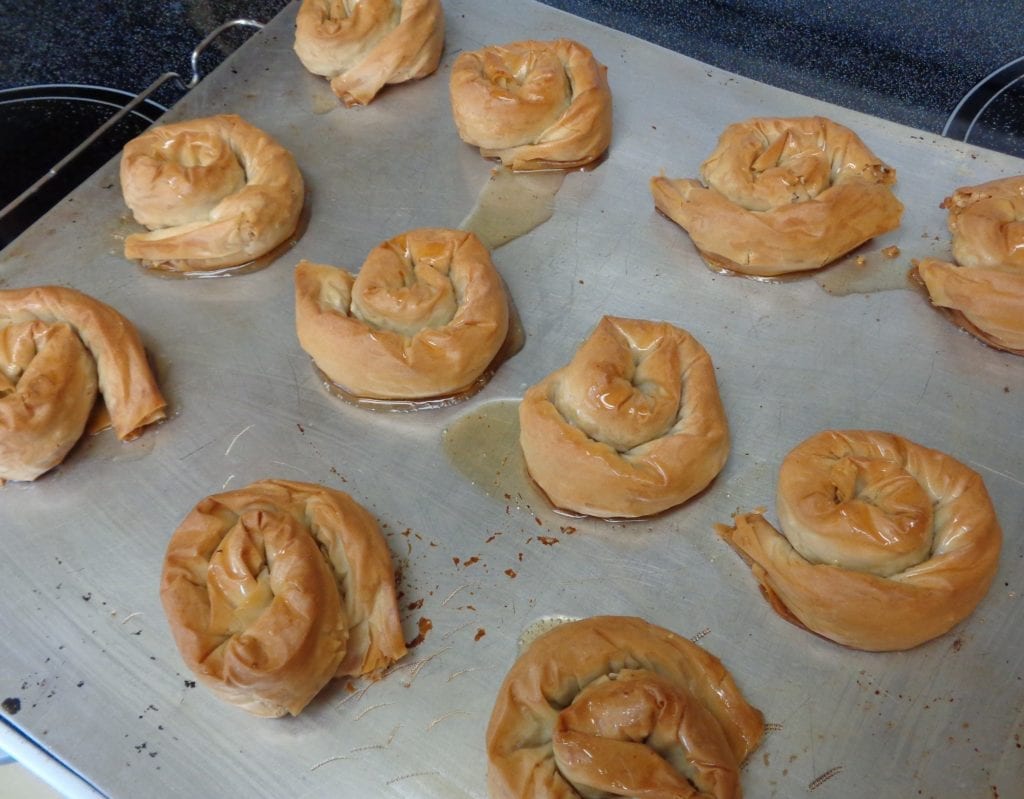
(614, 705)
(58, 348)
(273, 589)
(631, 426)
(423, 318)
(215, 192)
(782, 195)
(532, 104)
(984, 290)
(363, 45)
(884, 544)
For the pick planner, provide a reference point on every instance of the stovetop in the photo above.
(936, 66)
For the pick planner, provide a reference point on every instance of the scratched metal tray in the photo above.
(88, 655)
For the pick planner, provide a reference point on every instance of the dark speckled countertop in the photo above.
(904, 60)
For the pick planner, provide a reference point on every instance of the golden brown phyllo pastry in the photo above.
(884, 543)
(424, 317)
(58, 348)
(215, 193)
(782, 195)
(273, 589)
(984, 291)
(615, 706)
(533, 105)
(631, 426)
(363, 46)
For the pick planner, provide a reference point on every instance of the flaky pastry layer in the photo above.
(782, 195)
(533, 104)
(215, 192)
(58, 347)
(631, 426)
(615, 704)
(366, 45)
(424, 317)
(884, 544)
(273, 589)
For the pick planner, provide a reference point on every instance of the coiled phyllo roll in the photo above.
(884, 544)
(984, 290)
(631, 426)
(215, 192)
(533, 105)
(273, 589)
(363, 45)
(782, 195)
(615, 706)
(424, 317)
(58, 348)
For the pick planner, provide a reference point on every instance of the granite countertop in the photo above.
(903, 60)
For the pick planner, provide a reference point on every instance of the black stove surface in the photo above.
(39, 125)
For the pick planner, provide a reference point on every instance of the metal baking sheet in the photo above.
(87, 652)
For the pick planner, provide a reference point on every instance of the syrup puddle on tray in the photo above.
(865, 273)
(483, 446)
(511, 204)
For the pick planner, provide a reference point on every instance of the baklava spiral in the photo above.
(782, 195)
(884, 543)
(533, 105)
(58, 348)
(984, 291)
(631, 426)
(364, 45)
(273, 589)
(215, 193)
(424, 317)
(615, 706)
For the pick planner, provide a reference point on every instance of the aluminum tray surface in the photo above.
(87, 651)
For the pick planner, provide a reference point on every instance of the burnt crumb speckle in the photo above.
(79, 684)
(86, 597)
(957, 644)
(425, 626)
(190, 683)
(11, 705)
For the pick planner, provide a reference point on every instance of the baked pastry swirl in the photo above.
(615, 706)
(885, 544)
(984, 290)
(424, 317)
(782, 195)
(215, 192)
(363, 45)
(58, 348)
(273, 589)
(533, 105)
(631, 426)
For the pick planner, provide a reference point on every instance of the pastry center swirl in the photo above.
(534, 80)
(191, 173)
(622, 392)
(635, 733)
(406, 292)
(856, 511)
